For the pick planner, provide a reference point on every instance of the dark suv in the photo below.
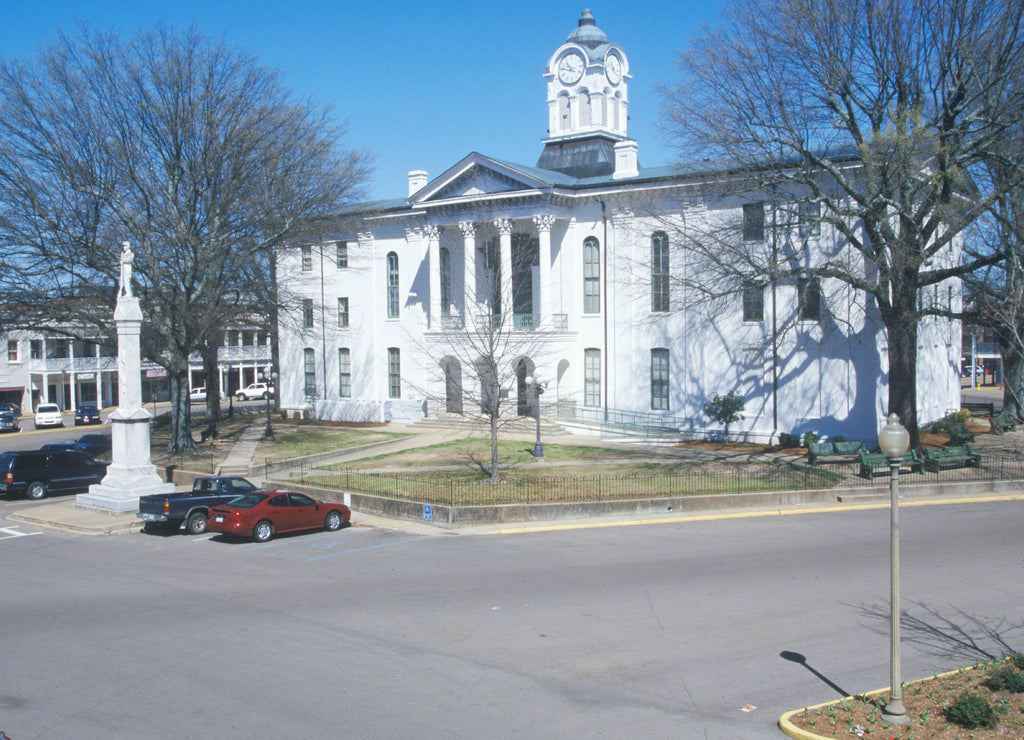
(48, 471)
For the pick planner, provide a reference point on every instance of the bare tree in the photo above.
(879, 114)
(481, 358)
(188, 149)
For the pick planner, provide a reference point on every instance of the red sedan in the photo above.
(261, 513)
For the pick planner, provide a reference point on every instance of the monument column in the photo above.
(544, 224)
(131, 474)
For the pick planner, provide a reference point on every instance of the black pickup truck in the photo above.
(191, 507)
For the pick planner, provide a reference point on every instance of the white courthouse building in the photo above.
(570, 266)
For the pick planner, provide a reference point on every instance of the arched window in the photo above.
(591, 275)
(564, 118)
(446, 281)
(394, 372)
(583, 102)
(659, 272)
(309, 365)
(392, 285)
(659, 379)
(592, 377)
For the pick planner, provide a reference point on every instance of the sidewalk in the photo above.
(66, 515)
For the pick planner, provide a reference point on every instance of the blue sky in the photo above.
(422, 84)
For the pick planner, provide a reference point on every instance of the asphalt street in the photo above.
(703, 629)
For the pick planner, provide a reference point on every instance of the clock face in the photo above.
(613, 69)
(570, 68)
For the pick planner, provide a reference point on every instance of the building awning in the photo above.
(19, 389)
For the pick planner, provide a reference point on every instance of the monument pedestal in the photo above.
(131, 474)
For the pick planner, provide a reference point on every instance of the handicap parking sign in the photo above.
(428, 513)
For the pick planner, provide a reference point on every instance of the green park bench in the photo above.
(1003, 422)
(978, 408)
(959, 434)
(958, 456)
(872, 462)
(828, 449)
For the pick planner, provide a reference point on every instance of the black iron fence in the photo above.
(454, 487)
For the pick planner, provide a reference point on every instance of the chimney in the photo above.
(417, 179)
(625, 160)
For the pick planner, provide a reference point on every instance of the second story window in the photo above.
(753, 301)
(446, 281)
(591, 276)
(35, 349)
(307, 258)
(753, 222)
(808, 298)
(341, 256)
(307, 313)
(659, 272)
(12, 350)
(343, 313)
(392, 285)
(810, 218)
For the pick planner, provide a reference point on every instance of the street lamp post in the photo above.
(271, 380)
(894, 441)
(537, 383)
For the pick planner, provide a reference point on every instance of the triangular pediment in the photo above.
(476, 176)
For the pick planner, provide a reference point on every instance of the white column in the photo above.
(505, 236)
(434, 264)
(468, 229)
(544, 224)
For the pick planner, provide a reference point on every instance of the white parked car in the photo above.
(49, 415)
(255, 390)
(197, 395)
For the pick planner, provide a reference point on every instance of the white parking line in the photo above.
(10, 532)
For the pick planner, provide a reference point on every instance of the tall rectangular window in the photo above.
(341, 255)
(307, 258)
(659, 272)
(35, 349)
(753, 301)
(394, 373)
(810, 218)
(392, 285)
(343, 313)
(591, 276)
(309, 362)
(659, 379)
(344, 373)
(591, 377)
(808, 298)
(753, 222)
(12, 350)
(307, 313)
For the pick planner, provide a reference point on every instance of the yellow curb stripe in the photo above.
(800, 734)
(751, 514)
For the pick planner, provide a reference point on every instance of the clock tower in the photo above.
(588, 103)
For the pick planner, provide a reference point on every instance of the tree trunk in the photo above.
(901, 328)
(495, 475)
(212, 372)
(181, 411)
(1013, 377)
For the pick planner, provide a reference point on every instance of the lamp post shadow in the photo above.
(802, 660)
